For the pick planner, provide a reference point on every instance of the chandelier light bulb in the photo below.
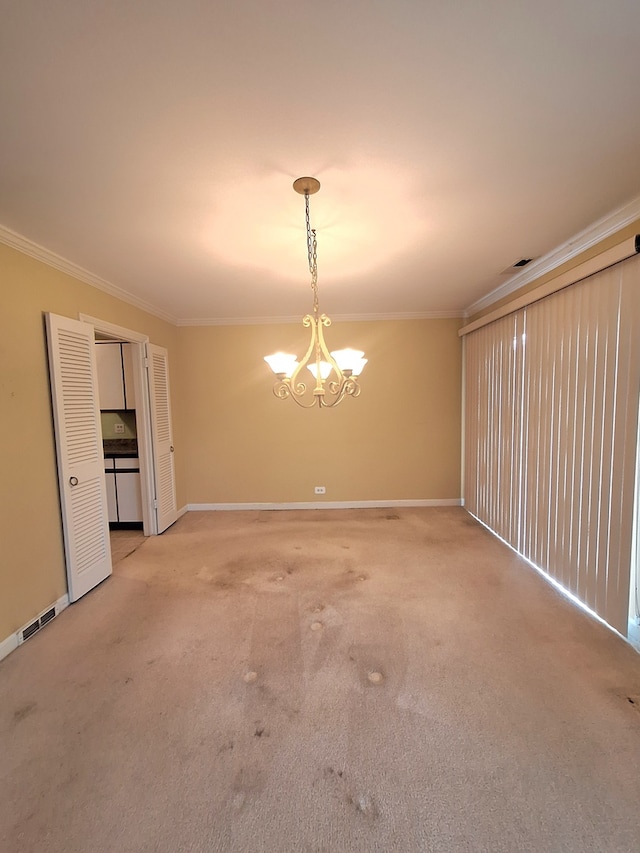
(358, 366)
(282, 363)
(325, 369)
(348, 359)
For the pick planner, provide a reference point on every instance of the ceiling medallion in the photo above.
(335, 373)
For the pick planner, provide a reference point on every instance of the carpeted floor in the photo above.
(371, 680)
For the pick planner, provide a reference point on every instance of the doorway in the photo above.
(79, 446)
(150, 374)
(109, 333)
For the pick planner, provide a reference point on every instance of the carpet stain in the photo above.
(224, 584)
(634, 701)
(364, 805)
(631, 700)
(316, 626)
(238, 800)
(25, 711)
(347, 579)
(329, 771)
(375, 677)
(244, 571)
(250, 677)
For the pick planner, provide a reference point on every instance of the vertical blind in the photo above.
(551, 426)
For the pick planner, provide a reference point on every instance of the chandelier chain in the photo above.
(312, 254)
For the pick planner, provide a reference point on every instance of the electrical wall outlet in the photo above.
(118, 428)
(320, 490)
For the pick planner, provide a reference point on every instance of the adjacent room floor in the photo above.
(370, 680)
(123, 543)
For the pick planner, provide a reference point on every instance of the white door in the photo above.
(162, 437)
(74, 390)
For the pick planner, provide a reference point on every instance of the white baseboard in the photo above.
(323, 505)
(10, 643)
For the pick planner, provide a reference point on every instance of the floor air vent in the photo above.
(47, 617)
(30, 630)
(40, 622)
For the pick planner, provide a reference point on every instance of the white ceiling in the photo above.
(154, 144)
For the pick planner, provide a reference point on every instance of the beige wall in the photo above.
(32, 574)
(399, 440)
(234, 441)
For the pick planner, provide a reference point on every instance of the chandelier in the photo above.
(335, 373)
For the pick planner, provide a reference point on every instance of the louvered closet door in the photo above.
(76, 414)
(163, 465)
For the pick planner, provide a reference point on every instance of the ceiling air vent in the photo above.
(516, 266)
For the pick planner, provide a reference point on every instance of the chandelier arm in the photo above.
(298, 389)
(326, 321)
(349, 387)
(283, 391)
(343, 391)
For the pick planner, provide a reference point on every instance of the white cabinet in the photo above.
(115, 376)
(124, 494)
(127, 371)
(110, 376)
(110, 480)
(128, 489)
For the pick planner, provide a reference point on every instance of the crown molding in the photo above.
(614, 255)
(28, 247)
(336, 318)
(415, 315)
(595, 233)
(590, 236)
(34, 250)
(237, 321)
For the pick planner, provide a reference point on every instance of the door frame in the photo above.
(143, 414)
